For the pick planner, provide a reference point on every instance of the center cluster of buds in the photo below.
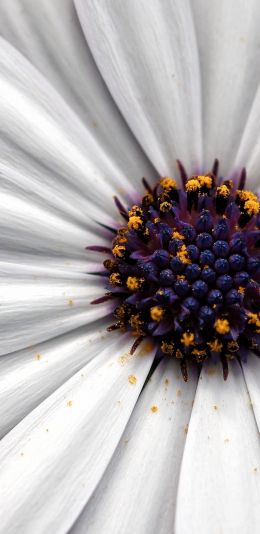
(185, 269)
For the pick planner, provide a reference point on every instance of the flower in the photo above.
(95, 439)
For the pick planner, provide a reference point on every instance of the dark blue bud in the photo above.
(177, 265)
(215, 297)
(207, 315)
(241, 279)
(208, 275)
(221, 266)
(221, 229)
(204, 222)
(199, 289)
(191, 304)
(166, 295)
(166, 277)
(204, 241)
(161, 257)
(233, 297)
(253, 265)
(236, 262)
(207, 257)
(192, 272)
(193, 252)
(224, 282)
(221, 248)
(181, 287)
(237, 245)
(150, 271)
(188, 232)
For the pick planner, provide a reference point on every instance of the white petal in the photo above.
(52, 461)
(249, 149)
(138, 491)
(27, 377)
(36, 308)
(147, 54)
(219, 488)
(34, 117)
(51, 38)
(252, 377)
(228, 38)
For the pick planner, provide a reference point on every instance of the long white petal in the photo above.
(228, 35)
(27, 377)
(138, 491)
(34, 309)
(51, 38)
(252, 377)
(53, 460)
(219, 488)
(147, 54)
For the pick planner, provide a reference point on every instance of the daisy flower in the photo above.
(129, 312)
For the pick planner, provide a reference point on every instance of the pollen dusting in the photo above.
(255, 470)
(38, 356)
(125, 358)
(69, 403)
(166, 381)
(132, 379)
(215, 407)
(186, 429)
(154, 408)
(70, 302)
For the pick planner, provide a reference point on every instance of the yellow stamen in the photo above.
(135, 211)
(165, 206)
(114, 279)
(252, 207)
(135, 223)
(177, 235)
(241, 290)
(118, 251)
(215, 345)
(156, 313)
(192, 185)
(254, 318)
(188, 339)
(223, 190)
(133, 283)
(222, 326)
(167, 348)
(205, 181)
(168, 183)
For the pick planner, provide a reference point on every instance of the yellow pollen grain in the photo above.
(69, 403)
(154, 408)
(241, 290)
(135, 211)
(215, 345)
(70, 302)
(177, 235)
(165, 206)
(118, 251)
(166, 381)
(132, 380)
(215, 407)
(186, 429)
(114, 279)
(252, 207)
(133, 283)
(167, 348)
(254, 318)
(223, 191)
(38, 356)
(168, 183)
(183, 254)
(222, 326)
(205, 181)
(135, 222)
(192, 185)
(156, 313)
(187, 339)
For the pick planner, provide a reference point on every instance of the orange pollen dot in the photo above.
(241, 290)
(254, 318)
(183, 254)
(156, 313)
(135, 222)
(177, 235)
(132, 380)
(188, 339)
(154, 408)
(222, 326)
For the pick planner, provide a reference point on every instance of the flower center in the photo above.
(185, 269)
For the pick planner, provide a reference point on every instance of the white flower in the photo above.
(82, 119)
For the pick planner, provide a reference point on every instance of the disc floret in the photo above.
(185, 267)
